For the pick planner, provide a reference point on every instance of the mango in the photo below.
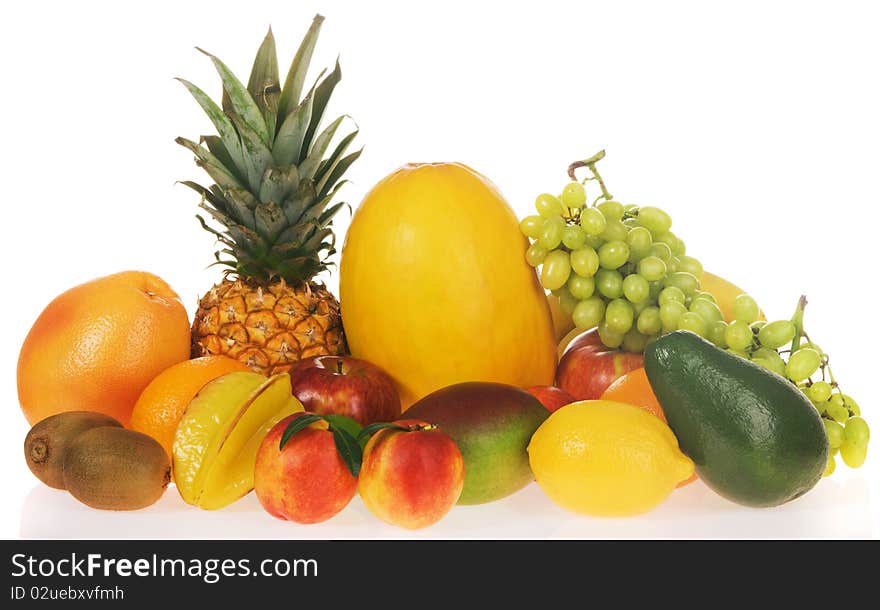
(492, 424)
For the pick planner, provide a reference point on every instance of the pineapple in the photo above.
(274, 182)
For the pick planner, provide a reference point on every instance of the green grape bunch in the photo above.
(784, 347)
(617, 267)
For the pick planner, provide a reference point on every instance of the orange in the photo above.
(162, 403)
(634, 389)
(98, 345)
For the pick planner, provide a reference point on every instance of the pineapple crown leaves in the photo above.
(275, 174)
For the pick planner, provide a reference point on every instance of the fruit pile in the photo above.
(445, 374)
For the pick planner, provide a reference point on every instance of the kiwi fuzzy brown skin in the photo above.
(116, 469)
(47, 441)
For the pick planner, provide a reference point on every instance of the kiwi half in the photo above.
(47, 442)
(116, 469)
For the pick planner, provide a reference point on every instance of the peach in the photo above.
(306, 481)
(412, 474)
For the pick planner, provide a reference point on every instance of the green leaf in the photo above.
(296, 425)
(370, 430)
(288, 142)
(296, 75)
(263, 84)
(348, 448)
(270, 221)
(315, 156)
(345, 423)
(210, 164)
(277, 183)
(322, 95)
(326, 167)
(221, 123)
(258, 156)
(337, 172)
(218, 149)
(240, 100)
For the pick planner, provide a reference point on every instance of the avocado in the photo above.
(753, 436)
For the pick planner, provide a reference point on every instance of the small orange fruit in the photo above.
(162, 403)
(634, 389)
(98, 345)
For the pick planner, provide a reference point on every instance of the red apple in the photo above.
(412, 474)
(306, 481)
(551, 397)
(343, 385)
(587, 368)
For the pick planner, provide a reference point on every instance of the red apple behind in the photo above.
(551, 397)
(307, 481)
(411, 478)
(343, 385)
(587, 368)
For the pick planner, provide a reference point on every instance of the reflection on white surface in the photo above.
(834, 509)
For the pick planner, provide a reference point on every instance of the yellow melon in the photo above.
(434, 287)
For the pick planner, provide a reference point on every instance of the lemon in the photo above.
(606, 458)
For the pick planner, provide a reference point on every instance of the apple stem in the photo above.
(339, 367)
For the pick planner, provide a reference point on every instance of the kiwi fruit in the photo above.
(48, 440)
(116, 469)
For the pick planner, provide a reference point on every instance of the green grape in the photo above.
(630, 208)
(609, 283)
(609, 337)
(737, 352)
(837, 411)
(594, 241)
(757, 325)
(614, 231)
(812, 345)
(630, 223)
(820, 406)
(694, 323)
(835, 433)
(656, 286)
(850, 404)
(627, 269)
(619, 316)
(574, 195)
(853, 455)
(567, 302)
(641, 305)
(573, 237)
(670, 313)
(581, 287)
(707, 310)
(589, 312)
(535, 254)
(857, 432)
(833, 452)
(702, 294)
(548, 205)
(819, 391)
(746, 309)
(661, 251)
(593, 222)
(639, 242)
(634, 341)
(671, 294)
(691, 265)
(531, 226)
(829, 468)
(652, 268)
(636, 288)
(769, 359)
(654, 219)
(776, 334)
(585, 262)
(679, 248)
(551, 233)
(555, 270)
(717, 330)
(738, 335)
(613, 254)
(684, 281)
(648, 322)
(669, 239)
(672, 264)
(611, 210)
(802, 364)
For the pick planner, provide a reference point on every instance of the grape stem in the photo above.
(591, 165)
(798, 320)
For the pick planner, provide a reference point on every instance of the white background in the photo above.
(755, 124)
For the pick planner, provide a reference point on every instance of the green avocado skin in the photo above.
(753, 436)
(492, 424)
